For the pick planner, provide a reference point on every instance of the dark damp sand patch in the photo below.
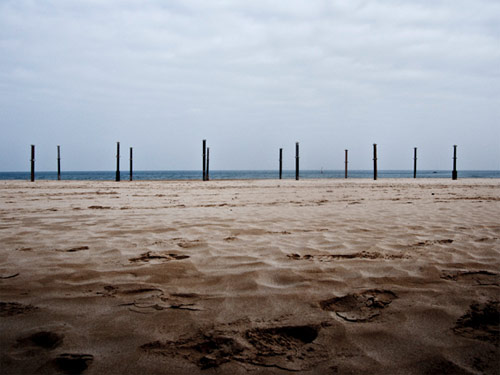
(44, 339)
(359, 307)
(99, 207)
(72, 363)
(478, 277)
(358, 255)
(284, 347)
(480, 322)
(14, 308)
(148, 256)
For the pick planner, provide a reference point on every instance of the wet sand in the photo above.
(315, 276)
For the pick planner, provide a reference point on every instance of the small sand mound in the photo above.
(70, 363)
(44, 339)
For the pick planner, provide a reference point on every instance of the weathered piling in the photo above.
(346, 163)
(131, 164)
(117, 161)
(281, 163)
(454, 174)
(208, 163)
(414, 162)
(58, 163)
(204, 145)
(32, 163)
(297, 161)
(374, 161)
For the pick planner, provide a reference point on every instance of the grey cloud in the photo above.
(331, 74)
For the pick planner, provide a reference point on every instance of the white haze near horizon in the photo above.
(250, 77)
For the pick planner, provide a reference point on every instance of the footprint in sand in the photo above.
(432, 242)
(14, 308)
(481, 322)
(9, 276)
(280, 340)
(477, 277)
(44, 339)
(75, 249)
(284, 347)
(359, 255)
(210, 350)
(70, 363)
(359, 307)
(185, 244)
(149, 256)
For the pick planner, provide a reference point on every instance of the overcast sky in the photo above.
(250, 76)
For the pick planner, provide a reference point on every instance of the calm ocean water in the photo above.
(240, 175)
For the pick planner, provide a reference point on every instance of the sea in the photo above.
(240, 175)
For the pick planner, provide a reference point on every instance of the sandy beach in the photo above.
(238, 277)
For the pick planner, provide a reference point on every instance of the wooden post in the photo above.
(131, 164)
(59, 163)
(297, 161)
(32, 163)
(374, 161)
(204, 159)
(414, 162)
(345, 163)
(454, 174)
(281, 162)
(208, 163)
(117, 161)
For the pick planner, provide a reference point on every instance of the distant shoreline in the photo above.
(186, 175)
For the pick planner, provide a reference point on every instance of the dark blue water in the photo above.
(239, 175)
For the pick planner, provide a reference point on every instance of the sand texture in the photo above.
(249, 277)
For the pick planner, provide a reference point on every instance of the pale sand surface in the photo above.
(314, 276)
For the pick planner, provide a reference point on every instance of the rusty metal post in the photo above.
(374, 161)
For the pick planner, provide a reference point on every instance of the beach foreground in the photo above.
(269, 276)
